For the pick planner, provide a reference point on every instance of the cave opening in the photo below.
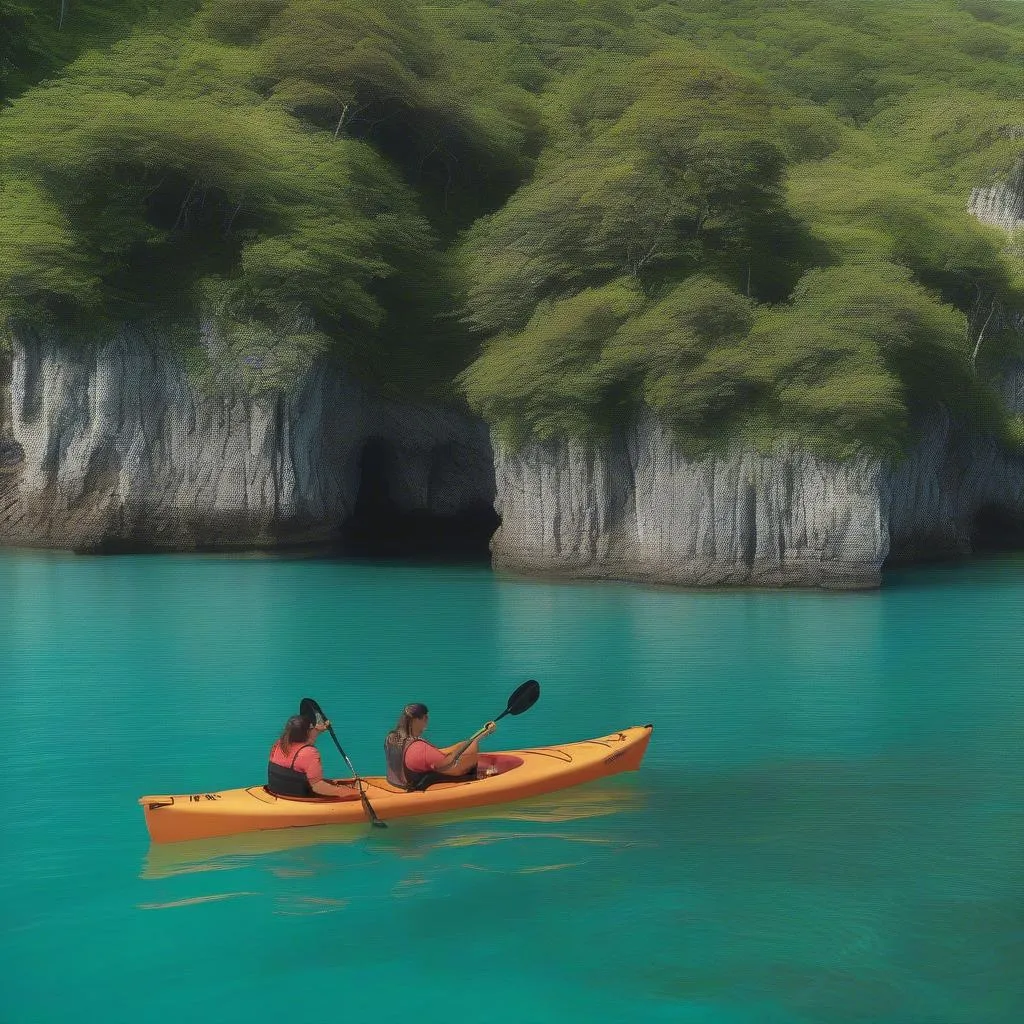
(997, 528)
(379, 528)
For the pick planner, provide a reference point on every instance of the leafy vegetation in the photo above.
(749, 217)
(37, 39)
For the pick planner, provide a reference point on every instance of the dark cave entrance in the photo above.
(379, 528)
(997, 529)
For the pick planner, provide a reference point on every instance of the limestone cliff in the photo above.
(112, 446)
(935, 497)
(635, 508)
(1002, 204)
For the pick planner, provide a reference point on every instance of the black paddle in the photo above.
(522, 699)
(312, 710)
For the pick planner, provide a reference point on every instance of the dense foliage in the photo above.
(748, 216)
(37, 39)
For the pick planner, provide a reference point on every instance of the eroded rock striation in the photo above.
(112, 446)
(1001, 204)
(637, 509)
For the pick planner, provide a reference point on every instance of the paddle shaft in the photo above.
(341, 751)
(367, 806)
(472, 739)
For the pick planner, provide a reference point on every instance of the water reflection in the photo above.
(192, 901)
(309, 906)
(228, 853)
(725, 672)
(407, 837)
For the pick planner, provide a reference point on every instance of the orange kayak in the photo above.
(504, 776)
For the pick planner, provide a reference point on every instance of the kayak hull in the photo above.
(521, 774)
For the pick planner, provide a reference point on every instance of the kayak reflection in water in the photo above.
(414, 763)
(295, 768)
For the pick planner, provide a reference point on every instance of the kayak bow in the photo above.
(515, 775)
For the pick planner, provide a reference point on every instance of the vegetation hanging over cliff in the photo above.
(750, 217)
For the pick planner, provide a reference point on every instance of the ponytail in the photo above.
(296, 730)
(402, 732)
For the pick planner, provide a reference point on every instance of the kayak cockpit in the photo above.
(488, 765)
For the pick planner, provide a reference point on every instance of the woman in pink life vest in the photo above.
(414, 763)
(295, 768)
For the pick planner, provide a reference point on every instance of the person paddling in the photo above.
(295, 768)
(414, 763)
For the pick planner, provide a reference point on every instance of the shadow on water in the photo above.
(986, 565)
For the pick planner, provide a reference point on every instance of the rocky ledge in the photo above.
(113, 447)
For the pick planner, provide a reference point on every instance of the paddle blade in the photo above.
(524, 698)
(310, 710)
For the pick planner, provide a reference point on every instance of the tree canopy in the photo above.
(749, 217)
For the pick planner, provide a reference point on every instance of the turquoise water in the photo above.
(828, 827)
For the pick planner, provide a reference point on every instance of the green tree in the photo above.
(749, 218)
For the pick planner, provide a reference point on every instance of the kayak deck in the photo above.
(519, 774)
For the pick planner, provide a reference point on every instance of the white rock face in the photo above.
(117, 446)
(637, 509)
(114, 446)
(935, 496)
(1001, 205)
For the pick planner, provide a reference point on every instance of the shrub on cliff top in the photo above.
(826, 369)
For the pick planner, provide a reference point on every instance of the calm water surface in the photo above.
(829, 825)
